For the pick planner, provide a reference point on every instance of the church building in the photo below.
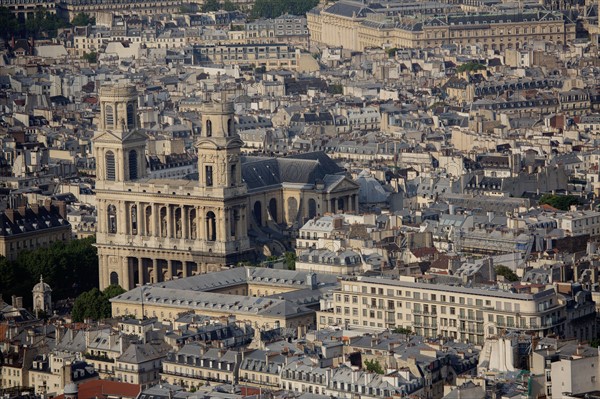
(152, 230)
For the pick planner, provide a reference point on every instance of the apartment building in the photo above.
(465, 313)
(579, 223)
(271, 56)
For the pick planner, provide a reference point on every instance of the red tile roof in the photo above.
(104, 389)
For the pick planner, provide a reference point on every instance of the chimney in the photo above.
(35, 208)
(10, 214)
(47, 204)
(62, 208)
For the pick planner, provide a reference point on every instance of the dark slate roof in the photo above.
(27, 220)
(349, 9)
(305, 168)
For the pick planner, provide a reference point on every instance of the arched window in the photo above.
(109, 160)
(273, 209)
(134, 219)
(312, 208)
(109, 116)
(229, 127)
(208, 128)
(234, 218)
(130, 116)
(112, 219)
(211, 226)
(133, 165)
(114, 278)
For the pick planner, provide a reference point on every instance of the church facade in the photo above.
(153, 230)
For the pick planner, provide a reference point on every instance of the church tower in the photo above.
(220, 178)
(119, 148)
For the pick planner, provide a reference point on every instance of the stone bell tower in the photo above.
(220, 177)
(118, 146)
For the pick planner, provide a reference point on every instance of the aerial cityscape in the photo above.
(299, 199)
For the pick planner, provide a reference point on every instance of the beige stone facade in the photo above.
(150, 230)
(332, 26)
(153, 230)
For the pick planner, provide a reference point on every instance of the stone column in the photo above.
(169, 222)
(140, 262)
(155, 269)
(141, 219)
(169, 269)
(356, 203)
(222, 223)
(184, 223)
(184, 268)
(125, 273)
(156, 220)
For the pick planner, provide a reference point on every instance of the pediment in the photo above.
(108, 136)
(343, 185)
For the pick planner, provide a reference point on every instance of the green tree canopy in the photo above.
(275, 8)
(562, 202)
(9, 25)
(374, 366)
(94, 304)
(228, 5)
(289, 259)
(83, 19)
(42, 24)
(402, 330)
(91, 57)
(471, 66)
(211, 5)
(508, 274)
(69, 268)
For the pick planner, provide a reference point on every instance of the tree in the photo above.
(83, 19)
(90, 305)
(92, 57)
(289, 259)
(471, 66)
(42, 24)
(507, 273)
(113, 290)
(391, 52)
(374, 366)
(94, 304)
(228, 5)
(9, 25)
(335, 89)
(562, 202)
(275, 8)
(402, 330)
(69, 268)
(211, 5)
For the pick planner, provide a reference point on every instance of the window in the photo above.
(112, 219)
(109, 116)
(133, 167)
(109, 160)
(130, 116)
(208, 175)
(233, 175)
(208, 128)
(211, 226)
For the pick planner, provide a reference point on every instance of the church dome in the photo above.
(41, 286)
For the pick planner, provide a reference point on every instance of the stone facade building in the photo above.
(151, 230)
